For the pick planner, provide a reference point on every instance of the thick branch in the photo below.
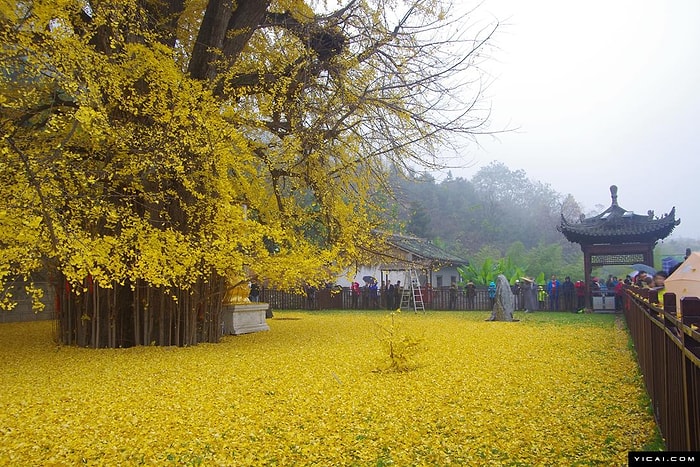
(210, 39)
(31, 176)
(249, 15)
(326, 40)
(224, 32)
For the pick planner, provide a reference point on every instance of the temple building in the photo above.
(618, 236)
(433, 265)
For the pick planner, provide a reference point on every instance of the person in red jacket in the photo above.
(355, 294)
(580, 288)
(618, 295)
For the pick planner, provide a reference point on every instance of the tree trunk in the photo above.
(137, 308)
(210, 38)
(219, 19)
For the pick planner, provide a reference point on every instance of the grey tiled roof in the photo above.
(617, 225)
(424, 249)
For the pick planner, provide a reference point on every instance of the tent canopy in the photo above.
(685, 281)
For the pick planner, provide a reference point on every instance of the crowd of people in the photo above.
(554, 295)
(529, 296)
(371, 295)
(571, 296)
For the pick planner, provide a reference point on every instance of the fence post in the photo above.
(668, 353)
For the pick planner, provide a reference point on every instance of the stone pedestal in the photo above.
(245, 318)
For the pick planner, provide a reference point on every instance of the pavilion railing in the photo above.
(667, 343)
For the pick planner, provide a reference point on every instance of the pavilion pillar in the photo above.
(649, 255)
(587, 271)
(623, 254)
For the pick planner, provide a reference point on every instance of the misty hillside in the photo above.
(497, 212)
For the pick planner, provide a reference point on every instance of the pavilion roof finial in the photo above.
(613, 194)
(617, 225)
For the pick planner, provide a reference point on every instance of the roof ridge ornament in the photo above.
(613, 194)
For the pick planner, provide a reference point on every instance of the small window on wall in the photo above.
(438, 280)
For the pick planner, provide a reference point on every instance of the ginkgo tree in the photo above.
(155, 153)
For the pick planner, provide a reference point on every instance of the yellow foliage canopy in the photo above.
(157, 144)
(125, 168)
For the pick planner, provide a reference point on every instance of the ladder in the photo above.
(411, 295)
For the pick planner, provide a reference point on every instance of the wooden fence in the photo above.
(324, 299)
(24, 310)
(341, 299)
(668, 352)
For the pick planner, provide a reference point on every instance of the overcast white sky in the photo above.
(603, 92)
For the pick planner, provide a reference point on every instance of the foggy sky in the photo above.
(598, 93)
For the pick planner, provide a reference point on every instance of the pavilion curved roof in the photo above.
(617, 225)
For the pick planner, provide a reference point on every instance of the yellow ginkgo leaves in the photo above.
(544, 391)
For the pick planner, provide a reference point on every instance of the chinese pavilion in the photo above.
(618, 236)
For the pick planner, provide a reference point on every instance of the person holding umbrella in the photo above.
(373, 294)
(643, 280)
(366, 292)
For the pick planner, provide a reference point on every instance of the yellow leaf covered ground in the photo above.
(553, 389)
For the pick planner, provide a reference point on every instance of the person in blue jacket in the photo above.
(492, 293)
(553, 288)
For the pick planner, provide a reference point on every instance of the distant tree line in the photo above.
(498, 214)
